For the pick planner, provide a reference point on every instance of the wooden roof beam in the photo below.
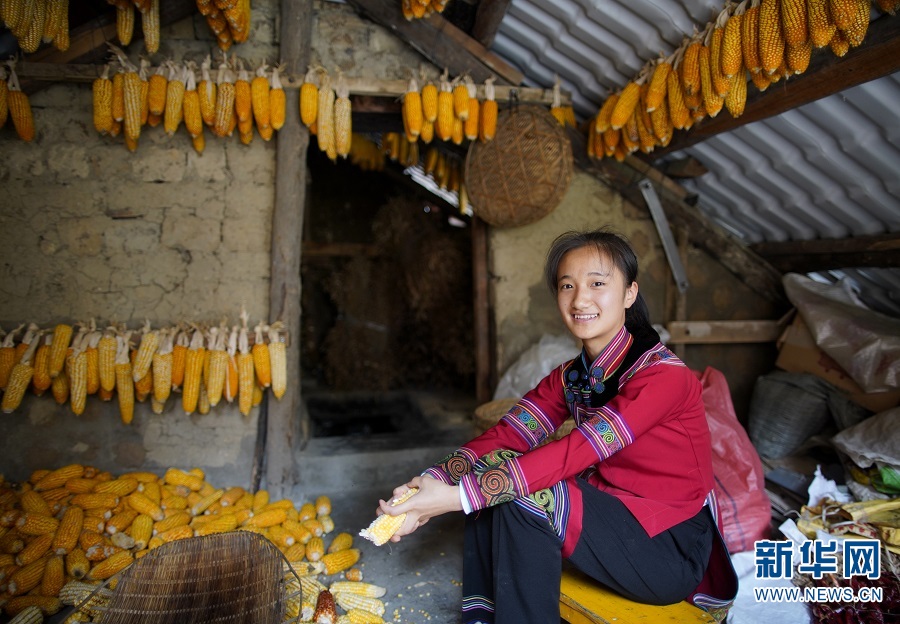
(876, 57)
(440, 42)
(487, 20)
(881, 251)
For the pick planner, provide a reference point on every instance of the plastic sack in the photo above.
(865, 343)
(535, 364)
(744, 506)
(874, 440)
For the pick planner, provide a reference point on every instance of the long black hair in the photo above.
(615, 247)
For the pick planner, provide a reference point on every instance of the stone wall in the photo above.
(90, 230)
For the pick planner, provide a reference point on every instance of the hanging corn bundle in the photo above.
(343, 124)
(19, 106)
(246, 375)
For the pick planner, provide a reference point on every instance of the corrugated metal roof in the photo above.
(828, 169)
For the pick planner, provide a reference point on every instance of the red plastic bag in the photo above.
(744, 508)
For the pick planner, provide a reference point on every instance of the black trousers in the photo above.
(512, 562)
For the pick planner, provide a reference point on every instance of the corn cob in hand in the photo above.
(384, 526)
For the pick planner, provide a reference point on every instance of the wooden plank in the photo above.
(440, 42)
(329, 250)
(484, 373)
(877, 56)
(487, 20)
(584, 601)
(823, 254)
(288, 423)
(727, 332)
(741, 261)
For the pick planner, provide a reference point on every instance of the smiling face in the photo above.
(592, 297)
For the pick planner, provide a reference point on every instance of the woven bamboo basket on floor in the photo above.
(522, 174)
(227, 578)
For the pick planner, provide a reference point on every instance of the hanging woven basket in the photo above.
(522, 174)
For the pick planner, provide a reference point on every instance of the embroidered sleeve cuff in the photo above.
(466, 505)
(493, 484)
(452, 467)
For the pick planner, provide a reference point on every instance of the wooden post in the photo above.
(484, 373)
(285, 417)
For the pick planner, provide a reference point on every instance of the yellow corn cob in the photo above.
(443, 125)
(678, 111)
(179, 356)
(315, 548)
(737, 96)
(267, 518)
(36, 524)
(60, 388)
(853, 18)
(131, 94)
(193, 372)
(106, 354)
(121, 521)
(721, 83)
(175, 519)
(41, 379)
(625, 104)
(658, 85)
(206, 93)
(245, 369)
(118, 101)
(145, 91)
(307, 511)
(750, 37)
(231, 371)
(348, 601)
(30, 38)
(232, 495)
(412, 109)
(323, 505)
(144, 358)
(193, 118)
(156, 92)
(474, 120)
(34, 550)
(353, 574)
(141, 530)
(19, 378)
(277, 360)
(123, 486)
(325, 122)
(62, 336)
(150, 26)
(794, 21)
(488, 126)
(276, 103)
(27, 578)
(77, 564)
(190, 480)
(384, 526)
(174, 113)
(57, 478)
(358, 588)
(732, 61)
(162, 368)
(204, 503)
(54, 576)
(460, 100)
(124, 380)
(224, 102)
(77, 373)
(771, 37)
(261, 98)
(111, 565)
(821, 24)
(102, 102)
(92, 359)
(798, 56)
(711, 100)
(360, 616)
(690, 67)
(8, 357)
(261, 361)
(341, 541)
(309, 98)
(243, 104)
(839, 44)
(66, 536)
(32, 502)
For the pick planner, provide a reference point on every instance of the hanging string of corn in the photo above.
(417, 9)
(80, 361)
(19, 108)
(37, 21)
(228, 20)
(753, 41)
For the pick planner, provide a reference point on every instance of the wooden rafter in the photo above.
(877, 56)
(823, 254)
(487, 20)
(440, 42)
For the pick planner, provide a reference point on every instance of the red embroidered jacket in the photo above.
(641, 435)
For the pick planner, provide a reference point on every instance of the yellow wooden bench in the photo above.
(584, 601)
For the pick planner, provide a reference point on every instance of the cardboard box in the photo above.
(798, 353)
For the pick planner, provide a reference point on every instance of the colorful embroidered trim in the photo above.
(451, 468)
(476, 602)
(551, 503)
(495, 478)
(660, 354)
(605, 429)
(530, 422)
